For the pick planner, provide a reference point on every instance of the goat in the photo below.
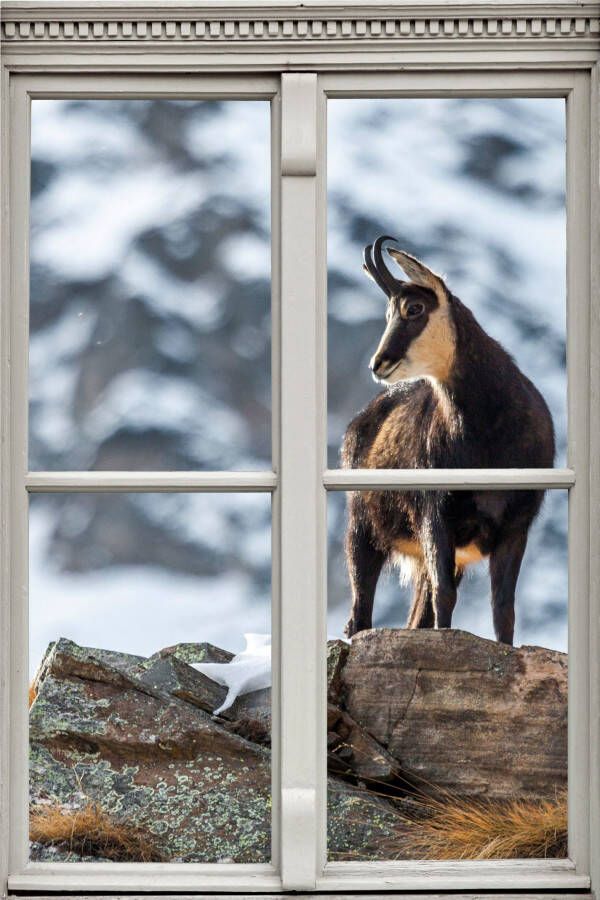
(455, 398)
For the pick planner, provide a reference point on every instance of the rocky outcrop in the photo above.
(121, 731)
(469, 715)
(137, 737)
(437, 709)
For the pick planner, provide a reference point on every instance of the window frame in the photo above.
(298, 77)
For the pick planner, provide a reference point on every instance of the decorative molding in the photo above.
(296, 24)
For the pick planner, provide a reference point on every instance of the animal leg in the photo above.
(421, 611)
(458, 576)
(365, 562)
(441, 568)
(505, 564)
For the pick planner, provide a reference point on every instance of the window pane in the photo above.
(453, 744)
(147, 742)
(475, 188)
(150, 285)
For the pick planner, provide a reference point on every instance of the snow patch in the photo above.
(249, 671)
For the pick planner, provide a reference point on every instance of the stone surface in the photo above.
(439, 709)
(196, 653)
(352, 752)
(473, 716)
(168, 675)
(337, 654)
(250, 716)
(156, 761)
(132, 735)
(66, 658)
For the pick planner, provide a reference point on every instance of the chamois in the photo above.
(455, 398)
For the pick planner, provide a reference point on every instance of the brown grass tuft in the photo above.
(487, 829)
(32, 694)
(90, 831)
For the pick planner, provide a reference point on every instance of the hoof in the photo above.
(353, 628)
(350, 629)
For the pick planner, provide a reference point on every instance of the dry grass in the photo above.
(445, 826)
(90, 831)
(32, 694)
(480, 829)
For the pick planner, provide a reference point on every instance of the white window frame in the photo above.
(298, 55)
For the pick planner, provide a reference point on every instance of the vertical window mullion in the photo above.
(578, 331)
(276, 467)
(18, 533)
(594, 474)
(302, 497)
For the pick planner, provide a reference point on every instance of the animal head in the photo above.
(419, 340)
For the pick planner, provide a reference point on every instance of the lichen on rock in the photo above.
(136, 737)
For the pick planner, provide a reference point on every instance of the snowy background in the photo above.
(150, 339)
(476, 189)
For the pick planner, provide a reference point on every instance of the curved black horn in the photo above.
(377, 268)
(370, 267)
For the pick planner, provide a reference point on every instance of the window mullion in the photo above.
(302, 496)
(16, 539)
(578, 361)
(187, 482)
(451, 479)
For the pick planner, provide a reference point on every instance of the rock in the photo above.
(66, 658)
(196, 653)
(438, 709)
(155, 760)
(168, 675)
(361, 825)
(167, 672)
(354, 753)
(132, 736)
(337, 654)
(465, 714)
(250, 716)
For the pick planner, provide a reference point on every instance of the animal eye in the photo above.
(414, 310)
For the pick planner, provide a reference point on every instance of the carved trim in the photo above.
(295, 26)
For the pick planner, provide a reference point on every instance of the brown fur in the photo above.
(467, 405)
(432, 353)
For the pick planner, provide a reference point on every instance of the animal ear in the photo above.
(420, 274)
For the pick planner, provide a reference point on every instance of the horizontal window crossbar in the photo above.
(559, 875)
(540, 874)
(150, 482)
(456, 479)
(60, 878)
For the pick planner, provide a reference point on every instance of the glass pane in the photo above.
(475, 189)
(150, 666)
(447, 744)
(150, 285)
